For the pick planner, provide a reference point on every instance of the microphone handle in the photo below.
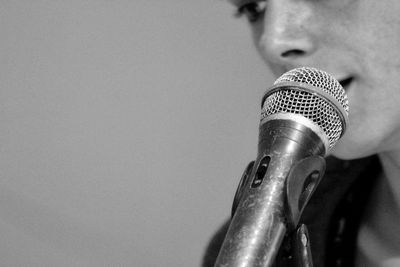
(264, 213)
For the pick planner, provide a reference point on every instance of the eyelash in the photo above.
(253, 10)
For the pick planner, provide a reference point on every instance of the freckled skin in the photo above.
(358, 39)
(346, 38)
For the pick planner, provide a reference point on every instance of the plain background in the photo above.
(124, 128)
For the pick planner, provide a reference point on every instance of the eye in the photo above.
(252, 10)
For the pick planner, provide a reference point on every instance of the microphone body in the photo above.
(260, 221)
(304, 114)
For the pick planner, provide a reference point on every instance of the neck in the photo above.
(378, 241)
(391, 171)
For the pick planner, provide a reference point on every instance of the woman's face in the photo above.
(357, 41)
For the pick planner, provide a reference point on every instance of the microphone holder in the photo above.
(294, 249)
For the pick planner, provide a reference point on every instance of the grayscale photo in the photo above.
(213, 133)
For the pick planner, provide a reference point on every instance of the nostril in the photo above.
(293, 53)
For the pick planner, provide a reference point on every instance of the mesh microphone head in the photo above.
(313, 94)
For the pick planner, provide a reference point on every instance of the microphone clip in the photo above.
(301, 183)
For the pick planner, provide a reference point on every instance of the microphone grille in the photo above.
(313, 94)
(319, 79)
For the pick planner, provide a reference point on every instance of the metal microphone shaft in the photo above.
(304, 114)
(260, 223)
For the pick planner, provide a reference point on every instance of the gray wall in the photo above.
(124, 128)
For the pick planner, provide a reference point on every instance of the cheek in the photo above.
(353, 145)
(374, 123)
(377, 34)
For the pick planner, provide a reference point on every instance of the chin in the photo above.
(347, 150)
(344, 154)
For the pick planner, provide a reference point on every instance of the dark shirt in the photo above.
(333, 214)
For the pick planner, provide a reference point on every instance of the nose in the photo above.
(286, 37)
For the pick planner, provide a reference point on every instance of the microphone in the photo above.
(303, 115)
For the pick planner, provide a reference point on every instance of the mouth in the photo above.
(345, 83)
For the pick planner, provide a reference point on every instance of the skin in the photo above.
(358, 39)
(346, 38)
